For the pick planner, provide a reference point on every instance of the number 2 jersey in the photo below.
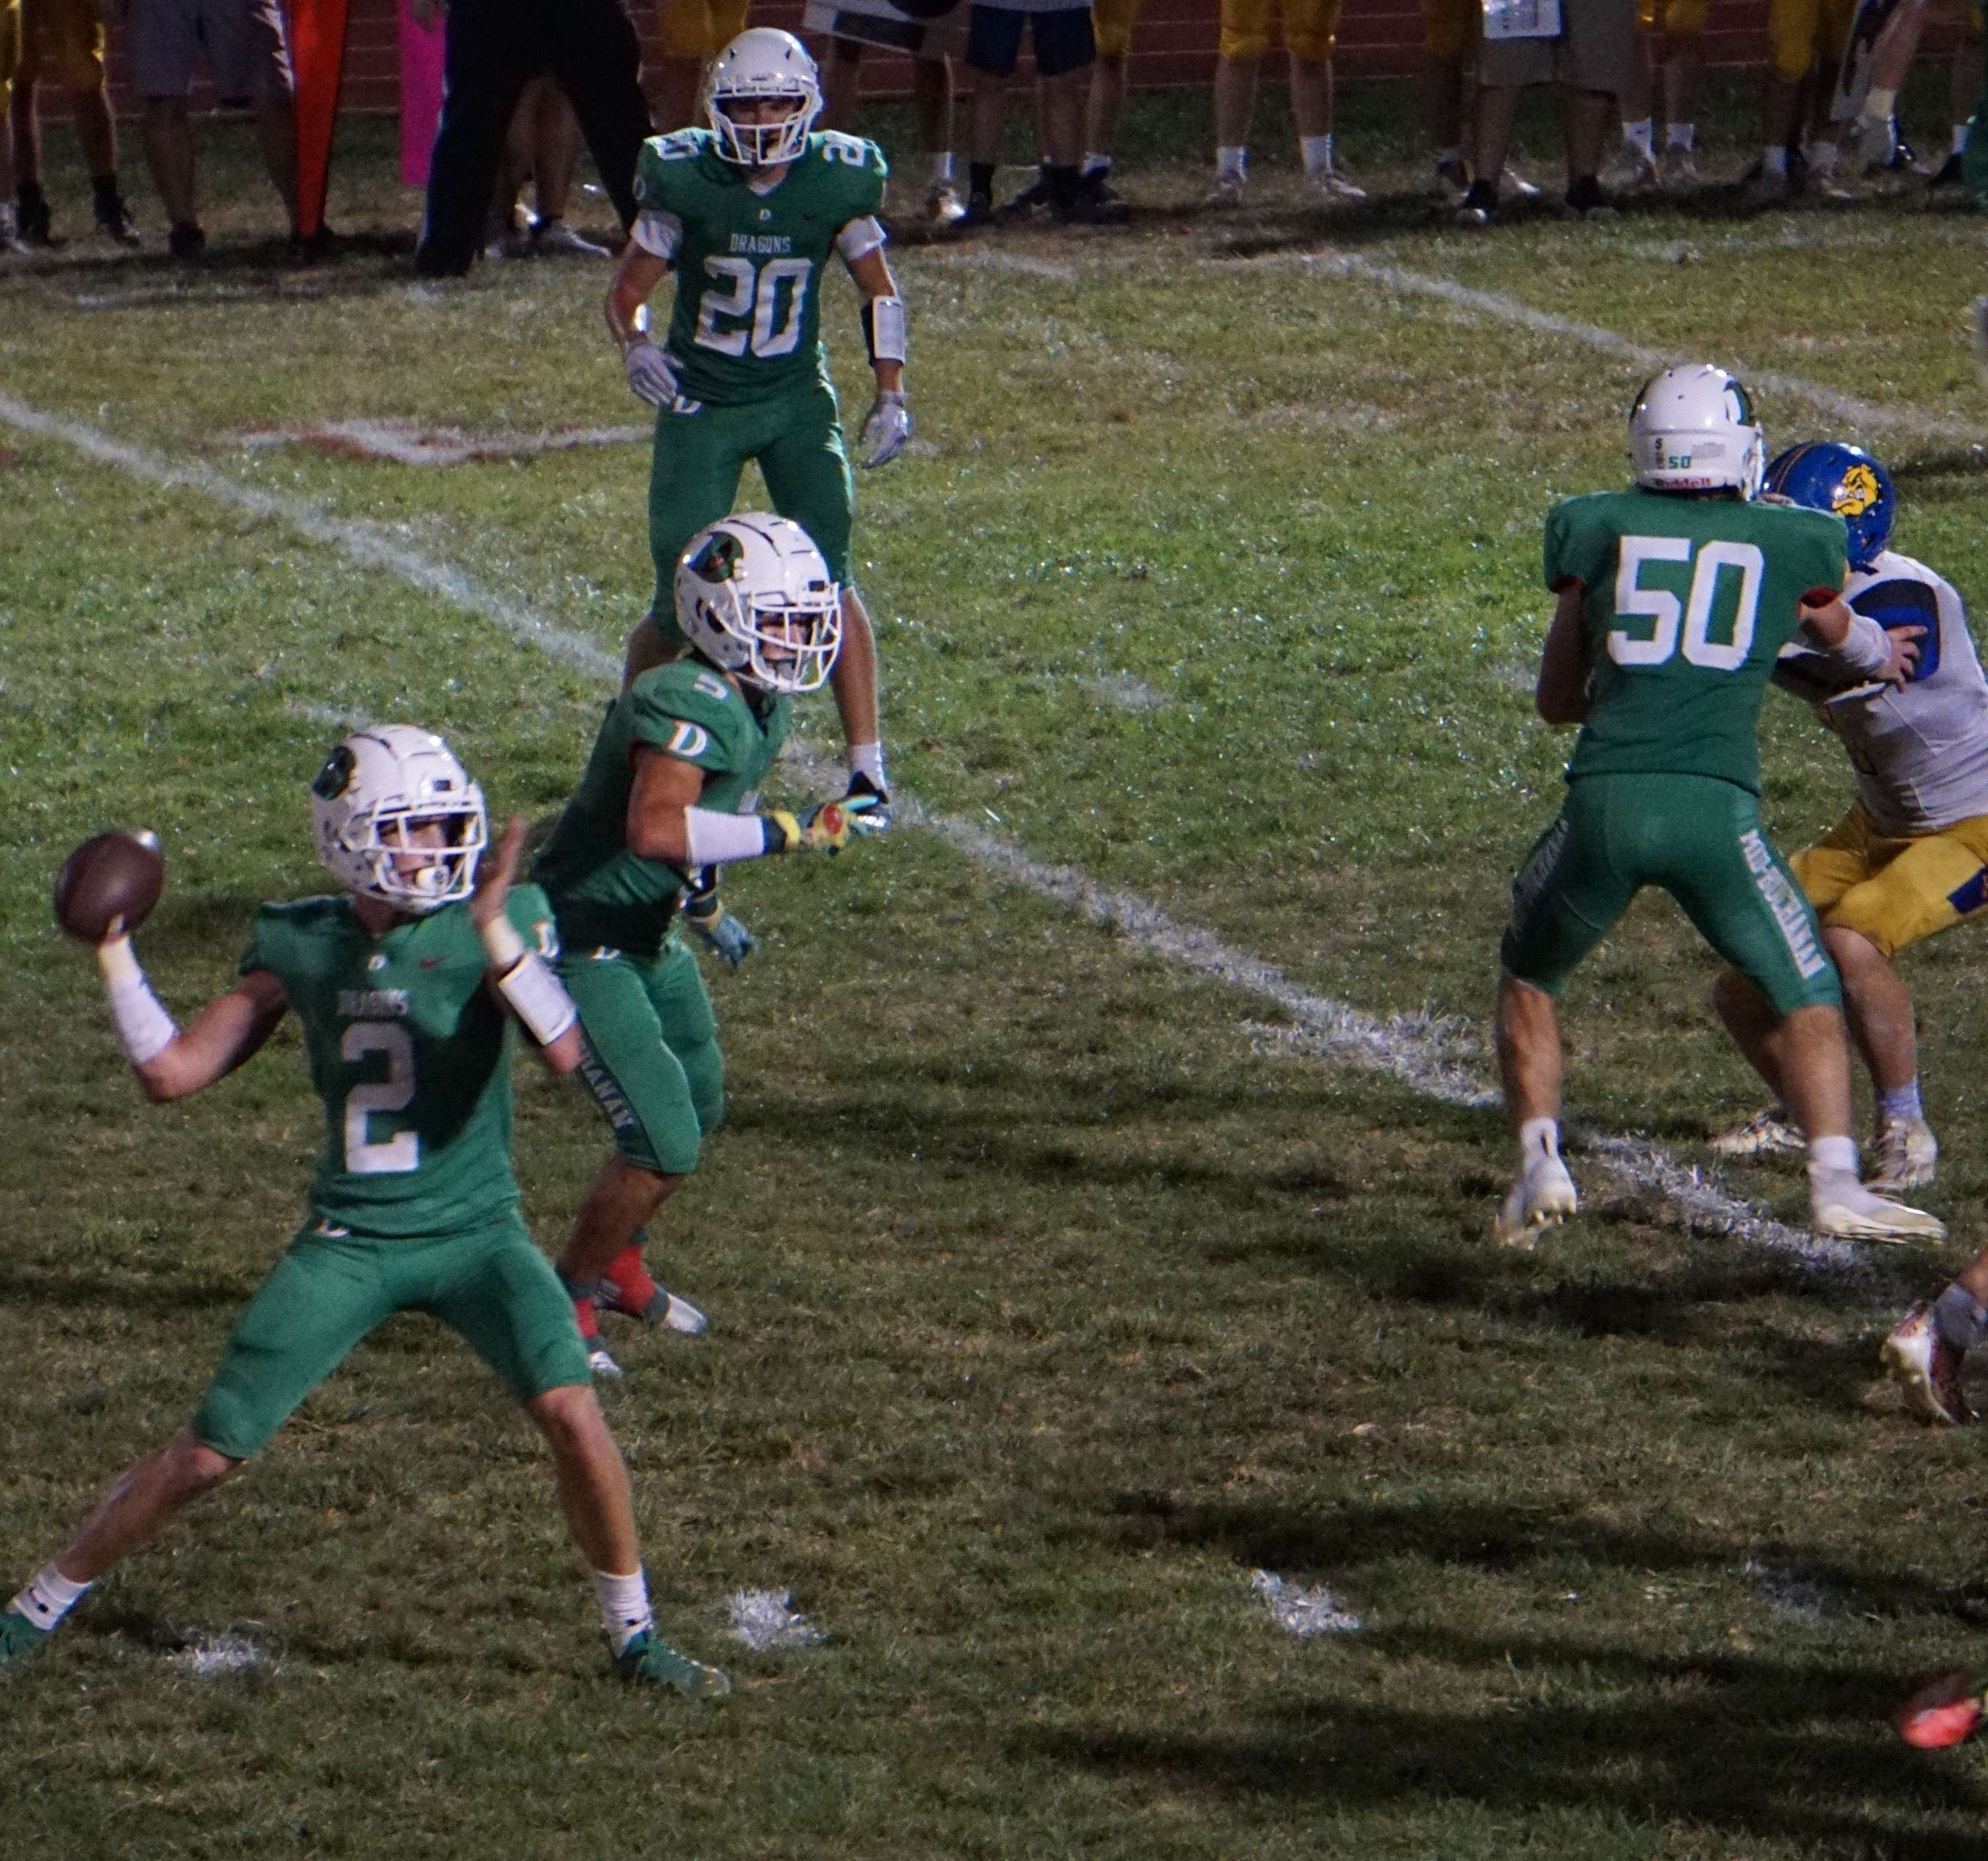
(411, 1054)
(1687, 601)
(605, 895)
(747, 322)
(1921, 754)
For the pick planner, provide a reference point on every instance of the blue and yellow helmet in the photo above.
(1826, 475)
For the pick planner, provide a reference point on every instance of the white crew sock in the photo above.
(1642, 136)
(1682, 136)
(48, 1597)
(1538, 1137)
(1878, 103)
(1231, 161)
(1960, 138)
(1097, 164)
(1832, 1156)
(625, 1607)
(1317, 153)
(1822, 158)
(1775, 161)
(942, 169)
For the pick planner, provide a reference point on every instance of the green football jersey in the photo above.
(747, 323)
(603, 894)
(1687, 600)
(410, 1052)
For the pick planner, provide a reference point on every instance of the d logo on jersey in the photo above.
(336, 776)
(1858, 493)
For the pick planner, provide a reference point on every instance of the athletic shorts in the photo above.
(1449, 29)
(1112, 24)
(651, 1055)
(64, 38)
(331, 1287)
(698, 458)
(241, 42)
(1311, 27)
(1800, 32)
(1062, 39)
(1596, 51)
(1697, 837)
(1895, 893)
(1676, 19)
(701, 28)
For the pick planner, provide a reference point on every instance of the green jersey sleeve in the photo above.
(531, 915)
(1580, 544)
(861, 174)
(688, 711)
(265, 950)
(665, 166)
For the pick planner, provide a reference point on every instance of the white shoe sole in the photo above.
(1893, 1222)
(680, 1315)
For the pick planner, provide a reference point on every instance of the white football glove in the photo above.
(651, 376)
(886, 428)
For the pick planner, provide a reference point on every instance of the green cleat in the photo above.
(20, 1641)
(650, 1661)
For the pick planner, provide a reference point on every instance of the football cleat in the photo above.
(556, 239)
(1630, 170)
(1543, 1197)
(1677, 172)
(1905, 1154)
(1228, 192)
(20, 1640)
(943, 205)
(1916, 1357)
(600, 1362)
(1946, 1713)
(1032, 199)
(516, 243)
(1330, 188)
(1842, 1207)
(1098, 204)
(650, 1661)
(1479, 206)
(1762, 1134)
(1875, 141)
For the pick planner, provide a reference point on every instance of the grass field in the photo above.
(1063, 1274)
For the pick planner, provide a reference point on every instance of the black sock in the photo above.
(1483, 194)
(30, 196)
(1584, 191)
(980, 180)
(104, 190)
(1061, 184)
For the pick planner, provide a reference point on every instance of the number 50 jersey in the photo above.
(410, 1053)
(747, 323)
(1686, 601)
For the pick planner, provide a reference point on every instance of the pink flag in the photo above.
(420, 95)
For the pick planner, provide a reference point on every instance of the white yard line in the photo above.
(405, 442)
(1420, 1053)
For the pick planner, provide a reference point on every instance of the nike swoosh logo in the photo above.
(432, 962)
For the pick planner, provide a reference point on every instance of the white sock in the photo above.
(1642, 136)
(48, 1597)
(1822, 157)
(1231, 161)
(1317, 153)
(1682, 135)
(1538, 1137)
(942, 169)
(1832, 1156)
(1097, 164)
(1775, 161)
(1445, 157)
(1878, 103)
(625, 1607)
(1960, 1318)
(1960, 138)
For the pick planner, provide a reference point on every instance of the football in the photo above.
(110, 876)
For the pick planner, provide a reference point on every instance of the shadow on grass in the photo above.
(1736, 1745)
(164, 1296)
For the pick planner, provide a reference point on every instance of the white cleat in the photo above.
(1842, 1207)
(1628, 170)
(680, 1315)
(1904, 1154)
(1330, 188)
(603, 1365)
(1543, 1197)
(1762, 1134)
(1228, 192)
(1916, 1356)
(556, 239)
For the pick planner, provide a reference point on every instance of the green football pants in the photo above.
(650, 1057)
(330, 1288)
(1699, 839)
(693, 478)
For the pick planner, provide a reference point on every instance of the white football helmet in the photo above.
(762, 63)
(754, 596)
(373, 787)
(1692, 429)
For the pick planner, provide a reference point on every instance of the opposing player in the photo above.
(1674, 598)
(405, 984)
(670, 794)
(1910, 859)
(748, 213)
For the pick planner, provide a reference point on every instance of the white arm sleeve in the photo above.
(658, 234)
(143, 1027)
(716, 839)
(858, 237)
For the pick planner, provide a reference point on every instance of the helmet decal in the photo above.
(335, 777)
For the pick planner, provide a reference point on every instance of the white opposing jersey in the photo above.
(1921, 754)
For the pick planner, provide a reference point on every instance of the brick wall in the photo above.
(1173, 44)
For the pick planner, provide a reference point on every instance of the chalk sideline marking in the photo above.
(1419, 1052)
(407, 442)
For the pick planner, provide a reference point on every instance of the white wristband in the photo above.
(1865, 648)
(885, 324)
(144, 1027)
(537, 997)
(502, 943)
(713, 838)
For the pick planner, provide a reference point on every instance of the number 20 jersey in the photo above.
(410, 1053)
(1686, 601)
(747, 323)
